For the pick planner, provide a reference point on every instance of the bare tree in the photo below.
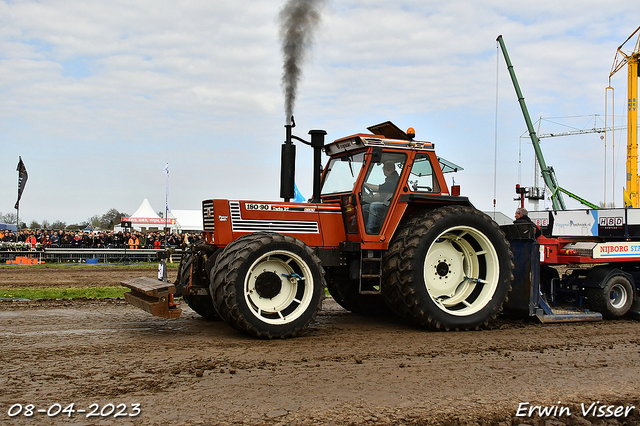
(58, 225)
(8, 218)
(110, 218)
(95, 221)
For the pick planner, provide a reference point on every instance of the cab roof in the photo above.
(389, 135)
(384, 134)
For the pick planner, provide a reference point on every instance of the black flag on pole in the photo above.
(22, 180)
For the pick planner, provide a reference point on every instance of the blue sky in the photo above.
(98, 96)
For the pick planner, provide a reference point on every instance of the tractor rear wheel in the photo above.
(449, 268)
(193, 270)
(614, 300)
(267, 284)
(345, 292)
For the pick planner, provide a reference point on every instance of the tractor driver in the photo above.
(379, 198)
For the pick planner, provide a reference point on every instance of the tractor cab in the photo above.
(377, 177)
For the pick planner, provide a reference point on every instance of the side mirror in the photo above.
(376, 155)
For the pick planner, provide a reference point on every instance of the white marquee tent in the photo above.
(145, 219)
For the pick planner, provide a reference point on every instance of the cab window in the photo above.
(422, 178)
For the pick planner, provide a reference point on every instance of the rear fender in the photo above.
(600, 275)
(411, 204)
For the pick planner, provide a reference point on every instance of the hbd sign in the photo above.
(610, 222)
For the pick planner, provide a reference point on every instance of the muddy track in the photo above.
(346, 370)
(74, 276)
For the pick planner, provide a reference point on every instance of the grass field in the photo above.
(49, 292)
(62, 293)
(145, 265)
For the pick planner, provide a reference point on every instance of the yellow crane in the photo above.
(631, 60)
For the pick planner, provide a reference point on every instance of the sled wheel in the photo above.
(345, 293)
(449, 268)
(267, 284)
(615, 299)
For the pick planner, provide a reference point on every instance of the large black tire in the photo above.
(268, 285)
(449, 268)
(334, 291)
(193, 266)
(614, 300)
(203, 306)
(345, 292)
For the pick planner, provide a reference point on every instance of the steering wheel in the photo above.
(368, 192)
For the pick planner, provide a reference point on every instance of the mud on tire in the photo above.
(449, 268)
(267, 284)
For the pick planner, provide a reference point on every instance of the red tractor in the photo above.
(382, 233)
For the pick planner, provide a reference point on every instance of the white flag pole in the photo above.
(166, 214)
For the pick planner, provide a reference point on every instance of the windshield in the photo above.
(342, 173)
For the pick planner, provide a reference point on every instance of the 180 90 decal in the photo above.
(264, 207)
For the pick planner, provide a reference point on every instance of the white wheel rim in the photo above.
(461, 271)
(617, 296)
(283, 305)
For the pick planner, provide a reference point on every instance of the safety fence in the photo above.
(87, 255)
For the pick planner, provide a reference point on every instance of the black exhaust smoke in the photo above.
(298, 20)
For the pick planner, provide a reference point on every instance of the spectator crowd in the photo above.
(41, 238)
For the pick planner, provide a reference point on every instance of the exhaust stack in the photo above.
(288, 165)
(288, 162)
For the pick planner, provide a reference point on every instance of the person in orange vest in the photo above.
(134, 242)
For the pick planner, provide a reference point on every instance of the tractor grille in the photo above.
(241, 224)
(208, 216)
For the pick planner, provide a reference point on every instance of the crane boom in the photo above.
(547, 172)
(580, 132)
(631, 60)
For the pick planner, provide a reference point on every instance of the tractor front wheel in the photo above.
(449, 268)
(267, 284)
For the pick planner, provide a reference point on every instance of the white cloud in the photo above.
(98, 96)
